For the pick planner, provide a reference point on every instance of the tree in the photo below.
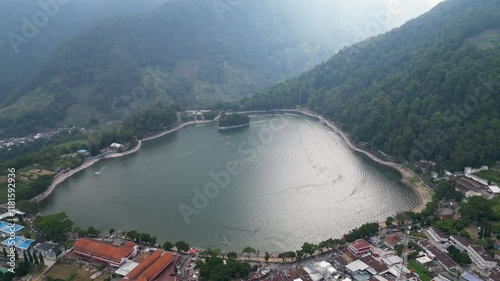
(145, 238)
(299, 254)
(54, 227)
(309, 248)
(232, 255)
(30, 257)
(477, 208)
(80, 232)
(25, 257)
(248, 250)
(389, 221)
(214, 252)
(133, 235)
(182, 246)
(40, 257)
(153, 239)
(399, 249)
(111, 231)
(459, 257)
(266, 256)
(27, 206)
(93, 232)
(167, 245)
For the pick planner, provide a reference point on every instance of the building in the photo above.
(434, 253)
(104, 252)
(392, 260)
(49, 251)
(359, 248)
(481, 258)
(152, 267)
(391, 241)
(493, 189)
(494, 274)
(437, 235)
(8, 228)
(460, 242)
(116, 145)
(467, 276)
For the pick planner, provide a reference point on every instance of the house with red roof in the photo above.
(359, 248)
(152, 267)
(104, 252)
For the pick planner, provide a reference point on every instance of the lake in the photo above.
(285, 180)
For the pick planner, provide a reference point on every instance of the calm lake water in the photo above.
(284, 180)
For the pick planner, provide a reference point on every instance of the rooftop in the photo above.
(462, 240)
(151, 267)
(495, 274)
(357, 265)
(378, 266)
(47, 246)
(442, 257)
(467, 276)
(439, 233)
(104, 250)
(360, 244)
(482, 252)
(392, 240)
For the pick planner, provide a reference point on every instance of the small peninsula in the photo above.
(233, 121)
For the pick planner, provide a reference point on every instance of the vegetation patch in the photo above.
(424, 274)
(490, 175)
(62, 271)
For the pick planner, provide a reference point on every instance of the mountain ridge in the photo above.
(426, 90)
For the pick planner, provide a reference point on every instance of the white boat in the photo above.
(100, 171)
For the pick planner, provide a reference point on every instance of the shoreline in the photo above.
(234, 127)
(44, 195)
(408, 177)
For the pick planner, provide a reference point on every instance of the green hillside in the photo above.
(185, 52)
(427, 90)
(21, 55)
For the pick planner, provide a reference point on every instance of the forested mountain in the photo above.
(31, 30)
(190, 52)
(427, 90)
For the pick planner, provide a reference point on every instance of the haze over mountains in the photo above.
(190, 52)
(31, 30)
(427, 90)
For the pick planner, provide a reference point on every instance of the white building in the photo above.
(116, 145)
(470, 170)
(481, 258)
(437, 235)
(461, 243)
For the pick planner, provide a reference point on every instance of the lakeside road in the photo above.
(94, 160)
(408, 177)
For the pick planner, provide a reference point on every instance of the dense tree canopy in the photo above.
(234, 119)
(215, 269)
(54, 227)
(427, 90)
